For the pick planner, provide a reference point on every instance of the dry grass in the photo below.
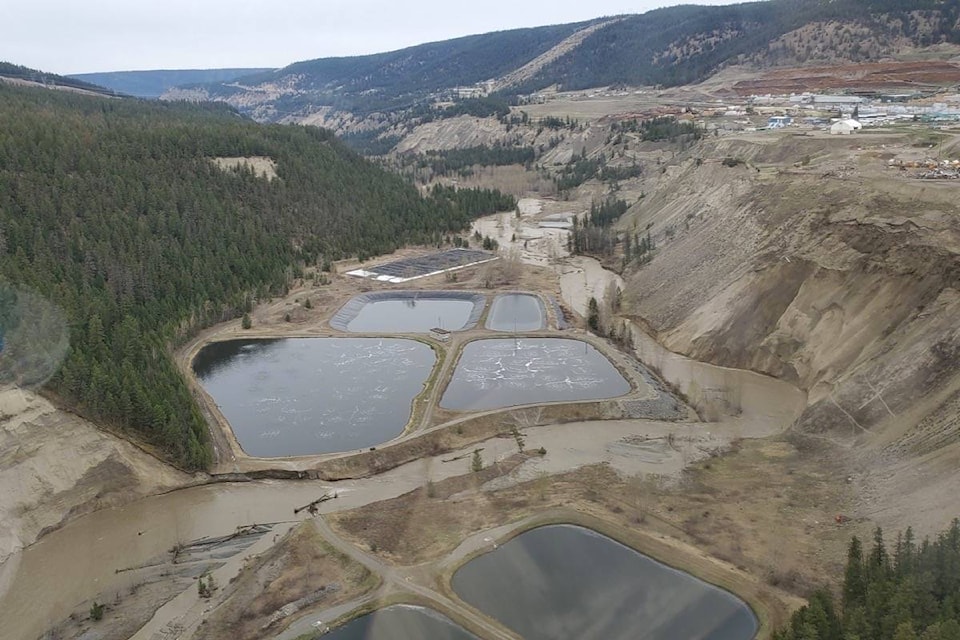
(764, 508)
(459, 435)
(297, 567)
(260, 165)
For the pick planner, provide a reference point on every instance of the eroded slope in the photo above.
(813, 262)
(55, 465)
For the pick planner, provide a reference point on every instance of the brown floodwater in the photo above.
(46, 581)
(756, 404)
(43, 584)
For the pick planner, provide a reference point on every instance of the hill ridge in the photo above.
(668, 47)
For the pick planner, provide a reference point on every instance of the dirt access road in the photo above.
(133, 535)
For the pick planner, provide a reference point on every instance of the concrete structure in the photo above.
(439, 334)
(837, 100)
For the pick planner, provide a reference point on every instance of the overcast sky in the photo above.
(67, 36)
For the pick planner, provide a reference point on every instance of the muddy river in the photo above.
(569, 582)
(44, 583)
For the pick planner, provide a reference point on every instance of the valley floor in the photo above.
(729, 491)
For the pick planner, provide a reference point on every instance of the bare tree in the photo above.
(510, 264)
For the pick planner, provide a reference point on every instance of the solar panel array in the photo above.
(423, 265)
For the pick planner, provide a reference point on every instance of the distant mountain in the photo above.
(152, 84)
(386, 81)
(672, 46)
(26, 75)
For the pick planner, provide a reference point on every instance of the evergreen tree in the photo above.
(854, 583)
(915, 598)
(593, 315)
(117, 211)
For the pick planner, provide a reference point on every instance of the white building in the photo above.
(837, 100)
(845, 127)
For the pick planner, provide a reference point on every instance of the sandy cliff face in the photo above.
(839, 275)
(54, 465)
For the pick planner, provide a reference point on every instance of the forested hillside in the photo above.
(685, 44)
(670, 46)
(400, 79)
(114, 210)
(911, 593)
(19, 72)
(151, 84)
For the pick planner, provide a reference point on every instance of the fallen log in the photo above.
(312, 506)
(466, 455)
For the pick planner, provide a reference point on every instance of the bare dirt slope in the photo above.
(297, 573)
(565, 46)
(872, 76)
(55, 465)
(813, 262)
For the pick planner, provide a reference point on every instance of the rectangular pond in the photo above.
(504, 372)
(563, 581)
(401, 622)
(301, 396)
(516, 312)
(409, 312)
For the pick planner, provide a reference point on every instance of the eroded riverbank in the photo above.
(743, 405)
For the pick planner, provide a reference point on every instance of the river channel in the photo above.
(42, 584)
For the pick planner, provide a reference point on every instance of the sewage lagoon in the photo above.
(303, 396)
(504, 372)
(563, 581)
(409, 312)
(516, 312)
(401, 622)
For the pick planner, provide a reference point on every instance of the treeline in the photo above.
(115, 211)
(472, 202)
(483, 107)
(554, 122)
(582, 168)
(594, 234)
(909, 592)
(621, 172)
(577, 171)
(659, 128)
(19, 72)
(370, 142)
(443, 163)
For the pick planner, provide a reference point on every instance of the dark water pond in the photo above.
(401, 622)
(504, 372)
(411, 315)
(300, 396)
(516, 312)
(569, 582)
